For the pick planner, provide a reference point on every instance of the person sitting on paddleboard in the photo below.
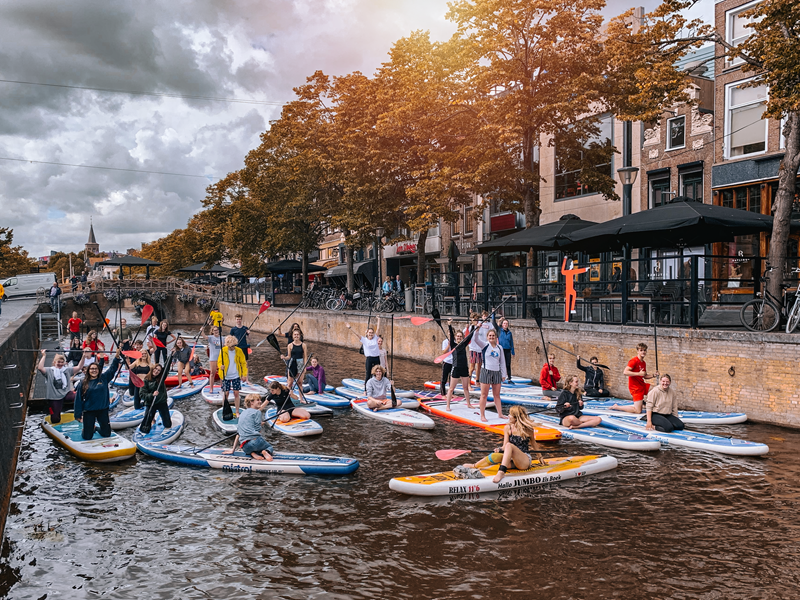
(549, 377)
(636, 372)
(379, 389)
(493, 371)
(296, 356)
(58, 382)
(662, 407)
(372, 354)
(92, 399)
(232, 370)
(212, 350)
(279, 394)
(141, 367)
(594, 386)
(460, 373)
(154, 393)
(569, 406)
(518, 434)
(315, 375)
(196, 367)
(248, 431)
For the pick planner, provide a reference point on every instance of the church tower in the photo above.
(91, 246)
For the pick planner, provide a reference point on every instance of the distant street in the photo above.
(13, 309)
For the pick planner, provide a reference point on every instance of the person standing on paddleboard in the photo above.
(662, 407)
(141, 367)
(212, 350)
(290, 334)
(460, 372)
(518, 434)
(569, 406)
(125, 335)
(315, 375)
(182, 354)
(280, 395)
(74, 326)
(479, 339)
(232, 370)
(241, 332)
(384, 355)
(248, 431)
(493, 371)
(549, 377)
(165, 337)
(379, 388)
(154, 393)
(216, 318)
(92, 399)
(149, 333)
(372, 354)
(296, 353)
(636, 372)
(506, 339)
(594, 385)
(447, 365)
(58, 382)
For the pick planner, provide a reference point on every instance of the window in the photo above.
(747, 197)
(736, 28)
(568, 182)
(659, 192)
(745, 130)
(455, 227)
(676, 133)
(692, 185)
(468, 220)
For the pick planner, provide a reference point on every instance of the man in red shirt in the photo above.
(549, 377)
(636, 372)
(74, 325)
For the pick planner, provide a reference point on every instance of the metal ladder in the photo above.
(49, 327)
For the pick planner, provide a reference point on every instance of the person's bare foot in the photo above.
(267, 456)
(499, 477)
(256, 456)
(484, 419)
(502, 416)
(615, 407)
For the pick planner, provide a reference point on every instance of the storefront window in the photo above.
(738, 266)
(743, 198)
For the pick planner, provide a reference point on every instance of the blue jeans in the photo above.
(257, 446)
(54, 302)
(312, 381)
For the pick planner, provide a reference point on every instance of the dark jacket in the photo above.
(96, 396)
(594, 377)
(460, 350)
(149, 389)
(565, 411)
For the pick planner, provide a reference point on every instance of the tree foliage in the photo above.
(14, 260)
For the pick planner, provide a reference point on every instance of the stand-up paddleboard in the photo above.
(555, 471)
(239, 462)
(67, 433)
(354, 394)
(186, 390)
(131, 417)
(358, 384)
(472, 416)
(158, 434)
(226, 426)
(293, 427)
(122, 379)
(215, 398)
(127, 399)
(602, 436)
(395, 416)
(459, 389)
(282, 379)
(329, 400)
(314, 409)
(115, 398)
(172, 378)
(689, 439)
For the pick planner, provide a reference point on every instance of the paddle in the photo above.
(134, 354)
(113, 339)
(655, 343)
(149, 413)
(196, 338)
(467, 339)
(573, 354)
(273, 341)
(289, 410)
(452, 453)
(264, 306)
(227, 437)
(147, 312)
(438, 318)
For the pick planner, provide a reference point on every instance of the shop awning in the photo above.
(365, 268)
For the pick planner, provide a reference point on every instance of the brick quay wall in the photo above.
(712, 370)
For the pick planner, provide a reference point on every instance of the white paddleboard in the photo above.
(67, 433)
(293, 427)
(395, 416)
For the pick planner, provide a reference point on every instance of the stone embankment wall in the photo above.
(711, 370)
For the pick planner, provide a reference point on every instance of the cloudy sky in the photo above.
(235, 49)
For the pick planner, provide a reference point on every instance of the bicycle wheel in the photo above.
(794, 315)
(759, 315)
(330, 303)
(427, 307)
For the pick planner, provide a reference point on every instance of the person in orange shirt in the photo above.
(636, 372)
(549, 377)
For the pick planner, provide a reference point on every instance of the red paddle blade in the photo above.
(264, 306)
(420, 320)
(147, 312)
(439, 359)
(249, 351)
(450, 454)
(158, 342)
(134, 354)
(136, 380)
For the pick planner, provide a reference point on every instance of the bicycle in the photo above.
(762, 313)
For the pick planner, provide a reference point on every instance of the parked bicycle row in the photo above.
(362, 300)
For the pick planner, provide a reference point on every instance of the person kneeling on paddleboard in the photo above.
(378, 390)
(594, 385)
(517, 437)
(92, 400)
(154, 393)
(662, 407)
(248, 431)
(280, 395)
(636, 372)
(569, 406)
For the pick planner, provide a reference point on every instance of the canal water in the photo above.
(675, 524)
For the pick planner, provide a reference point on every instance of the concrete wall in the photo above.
(171, 309)
(763, 383)
(16, 370)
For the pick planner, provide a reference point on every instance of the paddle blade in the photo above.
(273, 341)
(537, 316)
(439, 359)
(136, 380)
(227, 411)
(249, 351)
(134, 354)
(420, 320)
(450, 454)
(147, 312)
(146, 423)
(158, 342)
(264, 306)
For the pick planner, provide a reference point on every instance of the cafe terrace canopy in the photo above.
(291, 266)
(200, 268)
(544, 237)
(130, 262)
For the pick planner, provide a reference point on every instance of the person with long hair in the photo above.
(248, 430)
(460, 372)
(518, 437)
(58, 382)
(165, 337)
(182, 355)
(139, 367)
(569, 406)
(493, 371)
(296, 356)
(75, 354)
(384, 355)
(315, 375)
(372, 353)
(154, 393)
(93, 343)
(280, 395)
(290, 334)
(213, 346)
(92, 399)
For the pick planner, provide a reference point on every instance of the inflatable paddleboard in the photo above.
(689, 439)
(293, 427)
(127, 399)
(472, 416)
(215, 398)
(131, 417)
(601, 436)
(358, 384)
(158, 434)
(355, 394)
(172, 378)
(67, 433)
(282, 379)
(239, 462)
(226, 426)
(329, 400)
(186, 391)
(395, 416)
(556, 470)
(122, 379)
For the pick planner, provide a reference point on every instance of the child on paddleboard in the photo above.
(248, 431)
(212, 350)
(232, 370)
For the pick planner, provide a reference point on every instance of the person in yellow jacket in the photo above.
(232, 370)
(216, 318)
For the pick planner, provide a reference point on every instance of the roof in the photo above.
(129, 261)
(92, 240)
(701, 58)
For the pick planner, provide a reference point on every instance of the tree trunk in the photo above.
(304, 271)
(421, 262)
(348, 255)
(782, 206)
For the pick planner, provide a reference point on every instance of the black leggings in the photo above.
(666, 423)
(160, 353)
(370, 363)
(594, 393)
(446, 368)
(507, 353)
(163, 410)
(89, 418)
(134, 392)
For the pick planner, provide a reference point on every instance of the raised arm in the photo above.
(351, 329)
(40, 365)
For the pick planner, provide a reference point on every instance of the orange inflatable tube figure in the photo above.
(569, 275)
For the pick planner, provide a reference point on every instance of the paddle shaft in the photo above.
(469, 337)
(215, 443)
(296, 383)
(537, 315)
(149, 414)
(113, 339)
(655, 343)
(532, 451)
(573, 354)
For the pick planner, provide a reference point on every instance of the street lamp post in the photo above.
(378, 243)
(627, 175)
